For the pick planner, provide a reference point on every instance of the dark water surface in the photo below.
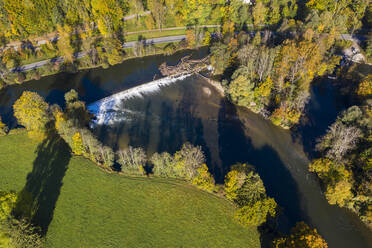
(192, 110)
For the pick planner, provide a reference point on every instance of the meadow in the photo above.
(79, 205)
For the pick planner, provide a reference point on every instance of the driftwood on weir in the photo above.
(185, 66)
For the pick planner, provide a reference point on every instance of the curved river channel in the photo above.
(163, 118)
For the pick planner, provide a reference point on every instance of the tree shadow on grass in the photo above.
(38, 198)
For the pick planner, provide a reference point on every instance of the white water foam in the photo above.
(107, 108)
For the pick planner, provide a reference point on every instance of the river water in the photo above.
(191, 110)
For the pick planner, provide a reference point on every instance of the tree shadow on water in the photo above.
(326, 103)
(236, 147)
(38, 198)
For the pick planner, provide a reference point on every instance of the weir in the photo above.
(106, 109)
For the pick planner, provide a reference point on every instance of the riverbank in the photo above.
(55, 66)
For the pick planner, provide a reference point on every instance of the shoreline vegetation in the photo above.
(66, 129)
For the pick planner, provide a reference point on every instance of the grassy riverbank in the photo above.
(97, 209)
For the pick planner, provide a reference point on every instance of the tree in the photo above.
(113, 51)
(246, 189)
(32, 112)
(204, 179)
(220, 57)
(259, 13)
(71, 97)
(241, 91)
(339, 140)
(191, 38)
(108, 15)
(365, 87)
(233, 182)
(339, 193)
(158, 11)
(77, 144)
(252, 190)
(188, 160)
(64, 43)
(256, 214)
(132, 160)
(301, 236)
(7, 203)
(76, 110)
(3, 128)
(163, 165)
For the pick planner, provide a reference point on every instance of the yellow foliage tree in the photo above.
(365, 87)
(339, 193)
(77, 144)
(233, 181)
(31, 111)
(191, 37)
(204, 179)
(7, 203)
(64, 43)
(301, 236)
(3, 128)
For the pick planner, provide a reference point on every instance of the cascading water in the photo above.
(109, 111)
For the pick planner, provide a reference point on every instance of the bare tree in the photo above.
(339, 140)
(191, 158)
(132, 160)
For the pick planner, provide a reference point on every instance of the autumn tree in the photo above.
(204, 179)
(246, 189)
(64, 43)
(220, 57)
(158, 11)
(7, 203)
(3, 128)
(77, 144)
(76, 110)
(132, 160)
(301, 236)
(256, 213)
(188, 160)
(163, 165)
(108, 15)
(32, 112)
(365, 86)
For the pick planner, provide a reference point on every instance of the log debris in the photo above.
(185, 66)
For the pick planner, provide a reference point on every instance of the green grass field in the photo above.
(79, 205)
(154, 34)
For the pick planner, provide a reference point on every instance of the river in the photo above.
(163, 118)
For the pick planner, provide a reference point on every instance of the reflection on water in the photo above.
(191, 110)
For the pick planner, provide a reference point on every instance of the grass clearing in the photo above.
(155, 34)
(97, 209)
